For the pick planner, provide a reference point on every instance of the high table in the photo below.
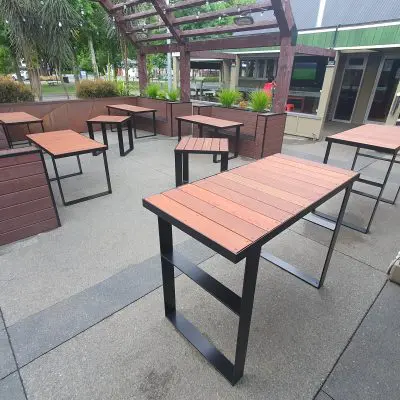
(235, 213)
(216, 123)
(60, 144)
(17, 118)
(133, 111)
(381, 138)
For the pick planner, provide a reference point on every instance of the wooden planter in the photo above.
(27, 205)
(73, 114)
(261, 135)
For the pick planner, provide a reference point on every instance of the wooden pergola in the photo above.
(130, 16)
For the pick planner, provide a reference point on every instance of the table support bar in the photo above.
(315, 282)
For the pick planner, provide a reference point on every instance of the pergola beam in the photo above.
(130, 3)
(189, 3)
(152, 38)
(229, 29)
(261, 6)
(168, 18)
(315, 51)
(283, 14)
(139, 15)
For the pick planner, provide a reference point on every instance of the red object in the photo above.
(268, 87)
(289, 107)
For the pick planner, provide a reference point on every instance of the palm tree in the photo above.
(40, 30)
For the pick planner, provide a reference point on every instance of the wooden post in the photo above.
(284, 74)
(184, 72)
(142, 70)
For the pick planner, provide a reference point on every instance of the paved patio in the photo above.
(82, 313)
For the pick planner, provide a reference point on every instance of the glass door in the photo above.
(385, 91)
(352, 78)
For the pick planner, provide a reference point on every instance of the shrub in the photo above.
(260, 101)
(228, 97)
(173, 95)
(91, 89)
(153, 90)
(14, 92)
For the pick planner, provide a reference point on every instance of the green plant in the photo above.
(260, 101)
(228, 97)
(14, 92)
(173, 95)
(153, 90)
(98, 88)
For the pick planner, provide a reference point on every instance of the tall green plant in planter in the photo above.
(228, 97)
(153, 90)
(260, 101)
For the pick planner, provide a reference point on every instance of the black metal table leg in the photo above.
(130, 135)
(242, 307)
(8, 136)
(200, 131)
(178, 168)
(80, 172)
(81, 199)
(246, 310)
(224, 162)
(154, 123)
(120, 140)
(327, 152)
(185, 163)
(134, 125)
(236, 154)
(215, 158)
(179, 130)
(355, 159)
(90, 130)
(41, 123)
(317, 283)
(104, 132)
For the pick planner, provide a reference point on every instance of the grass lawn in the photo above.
(58, 89)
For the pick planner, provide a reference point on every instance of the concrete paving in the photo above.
(83, 304)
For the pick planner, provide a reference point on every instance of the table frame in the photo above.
(58, 178)
(122, 151)
(241, 306)
(381, 185)
(182, 163)
(132, 114)
(7, 133)
(216, 132)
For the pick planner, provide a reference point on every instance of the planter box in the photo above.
(73, 114)
(26, 201)
(261, 135)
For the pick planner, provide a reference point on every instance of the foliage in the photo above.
(228, 97)
(173, 94)
(260, 101)
(98, 88)
(14, 92)
(154, 90)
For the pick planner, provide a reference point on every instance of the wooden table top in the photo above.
(109, 118)
(210, 121)
(203, 145)
(18, 118)
(379, 137)
(64, 143)
(249, 205)
(132, 109)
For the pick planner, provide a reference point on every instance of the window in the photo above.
(247, 68)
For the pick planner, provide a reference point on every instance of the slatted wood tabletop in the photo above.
(203, 145)
(380, 137)
(251, 204)
(109, 119)
(64, 143)
(210, 121)
(18, 118)
(131, 109)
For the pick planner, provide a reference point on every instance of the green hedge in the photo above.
(14, 92)
(96, 89)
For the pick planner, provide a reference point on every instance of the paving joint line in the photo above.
(349, 341)
(101, 320)
(13, 353)
(323, 391)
